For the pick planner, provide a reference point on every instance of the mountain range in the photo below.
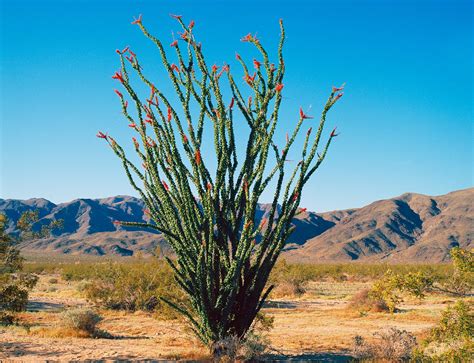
(409, 228)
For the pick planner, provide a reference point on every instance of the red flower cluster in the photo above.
(279, 87)
(249, 79)
(175, 68)
(137, 21)
(101, 135)
(118, 76)
(256, 64)
(169, 114)
(303, 115)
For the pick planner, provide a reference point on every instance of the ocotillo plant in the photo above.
(207, 216)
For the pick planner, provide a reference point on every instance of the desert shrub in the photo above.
(452, 339)
(291, 279)
(134, 287)
(81, 319)
(14, 285)
(392, 345)
(363, 301)
(391, 287)
(457, 323)
(356, 271)
(233, 348)
(461, 281)
(253, 347)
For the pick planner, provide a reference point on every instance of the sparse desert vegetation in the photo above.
(329, 314)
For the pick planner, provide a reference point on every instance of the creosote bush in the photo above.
(81, 319)
(391, 345)
(363, 301)
(134, 287)
(208, 215)
(452, 339)
(392, 286)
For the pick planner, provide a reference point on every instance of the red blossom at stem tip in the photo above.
(185, 139)
(101, 135)
(137, 21)
(118, 76)
(167, 188)
(176, 16)
(256, 64)
(333, 132)
(303, 115)
(169, 114)
(191, 24)
(309, 131)
(237, 56)
(339, 95)
(279, 87)
(118, 51)
(215, 68)
(247, 38)
(133, 125)
(174, 44)
(175, 68)
(125, 105)
(249, 79)
(337, 89)
(209, 186)
(231, 103)
(118, 93)
(302, 210)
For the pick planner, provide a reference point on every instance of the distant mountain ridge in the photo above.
(411, 228)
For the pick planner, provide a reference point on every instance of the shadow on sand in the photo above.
(43, 306)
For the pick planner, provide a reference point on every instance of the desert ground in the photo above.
(317, 326)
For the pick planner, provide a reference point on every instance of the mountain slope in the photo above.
(411, 227)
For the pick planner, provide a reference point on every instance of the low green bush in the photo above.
(134, 287)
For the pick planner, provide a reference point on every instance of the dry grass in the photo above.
(318, 321)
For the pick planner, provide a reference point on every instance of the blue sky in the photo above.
(405, 119)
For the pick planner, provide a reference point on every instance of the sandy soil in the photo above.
(318, 325)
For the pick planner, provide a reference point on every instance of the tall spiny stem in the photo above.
(209, 219)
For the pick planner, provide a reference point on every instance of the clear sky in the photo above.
(406, 117)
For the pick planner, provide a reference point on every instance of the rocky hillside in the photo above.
(412, 227)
